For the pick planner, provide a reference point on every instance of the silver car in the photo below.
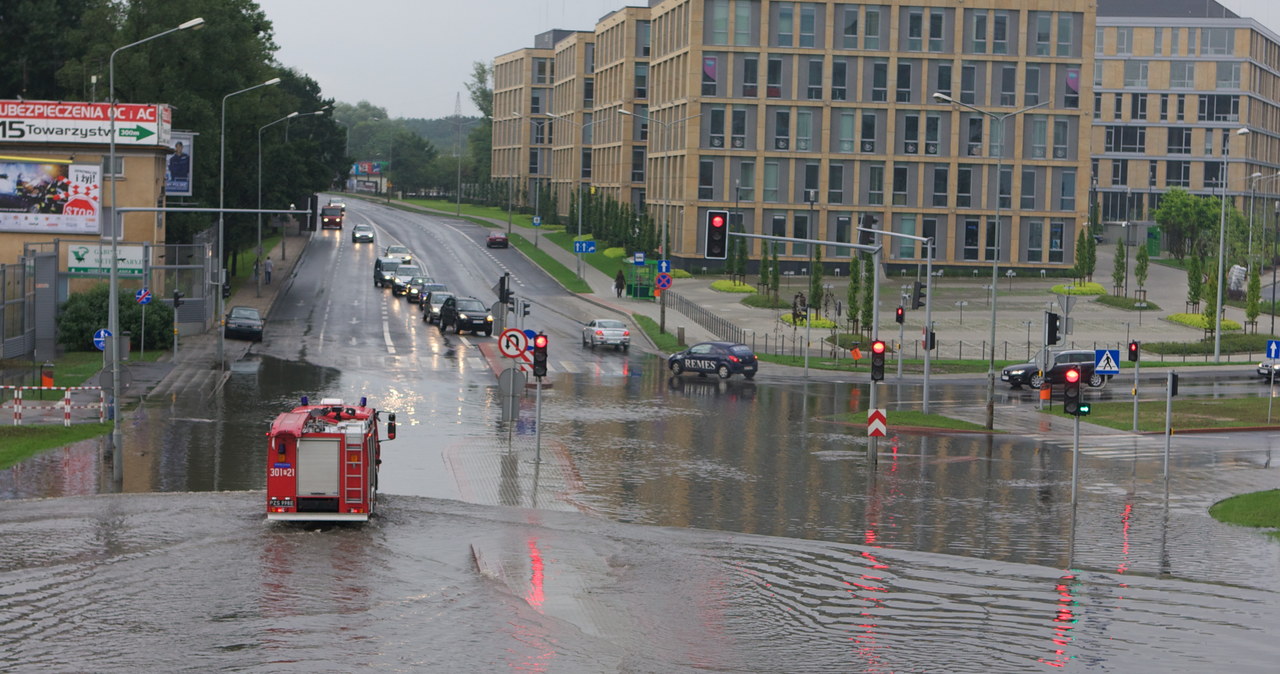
(606, 331)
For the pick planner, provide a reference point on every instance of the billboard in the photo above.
(368, 168)
(50, 197)
(137, 124)
(96, 259)
(177, 166)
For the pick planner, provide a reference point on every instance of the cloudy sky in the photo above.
(414, 57)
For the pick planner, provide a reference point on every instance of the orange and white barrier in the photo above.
(64, 403)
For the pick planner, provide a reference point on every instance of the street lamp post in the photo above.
(222, 181)
(584, 127)
(1222, 245)
(113, 311)
(666, 255)
(258, 290)
(995, 258)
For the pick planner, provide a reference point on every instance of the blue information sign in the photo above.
(664, 266)
(100, 339)
(1106, 361)
(584, 246)
(639, 259)
(537, 221)
(143, 296)
(1273, 349)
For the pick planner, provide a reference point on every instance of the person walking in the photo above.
(619, 283)
(267, 269)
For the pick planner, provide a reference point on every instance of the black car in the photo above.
(466, 313)
(404, 274)
(419, 286)
(723, 358)
(384, 271)
(1028, 374)
(243, 323)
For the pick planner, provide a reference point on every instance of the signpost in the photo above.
(877, 423)
(584, 246)
(100, 340)
(661, 282)
(1106, 361)
(144, 298)
(664, 266)
(638, 258)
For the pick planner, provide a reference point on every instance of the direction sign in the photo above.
(639, 259)
(1106, 361)
(143, 296)
(537, 221)
(664, 266)
(584, 246)
(662, 280)
(100, 339)
(877, 424)
(512, 342)
(1273, 349)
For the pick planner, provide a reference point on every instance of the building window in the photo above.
(1137, 107)
(588, 92)
(773, 82)
(719, 22)
(835, 183)
(1217, 41)
(1097, 76)
(1032, 87)
(904, 82)
(586, 163)
(1219, 108)
(968, 84)
(1119, 172)
(970, 239)
(541, 71)
(750, 76)
(815, 79)
(900, 185)
(779, 229)
(706, 179)
(844, 234)
(1164, 107)
(1035, 240)
(1067, 191)
(932, 131)
(978, 33)
(1228, 75)
(1039, 136)
(1044, 25)
(808, 25)
(637, 164)
(1006, 187)
(937, 31)
(786, 24)
(1182, 74)
(880, 81)
(1135, 74)
(1212, 174)
(742, 23)
(800, 230)
(839, 80)
(710, 66)
(1029, 191)
(1098, 37)
(1055, 241)
(1159, 42)
(804, 130)
(964, 187)
(534, 161)
(715, 126)
(782, 129)
(915, 29)
(875, 185)
(536, 97)
(1177, 174)
(746, 189)
(906, 225)
(911, 133)
(844, 129)
(1008, 85)
(868, 131)
(872, 38)
(1124, 40)
(975, 136)
(1000, 33)
(1182, 107)
(940, 186)
(992, 226)
(849, 31)
(738, 139)
(1179, 140)
(642, 80)
(942, 83)
(1118, 109)
(771, 181)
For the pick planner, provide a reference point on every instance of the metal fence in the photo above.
(720, 327)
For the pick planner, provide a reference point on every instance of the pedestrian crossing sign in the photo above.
(1106, 361)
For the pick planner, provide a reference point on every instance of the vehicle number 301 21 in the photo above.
(281, 472)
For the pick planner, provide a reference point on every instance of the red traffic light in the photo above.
(1073, 376)
(540, 342)
(717, 220)
(877, 347)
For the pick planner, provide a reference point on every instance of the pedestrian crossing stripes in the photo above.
(1145, 447)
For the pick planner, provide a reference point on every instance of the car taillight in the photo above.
(734, 359)
(626, 333)
(599, 333)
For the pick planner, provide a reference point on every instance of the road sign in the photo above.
(1106, 361)
(100, 339)
(512, 342)
(143, 296)
(639, 259)
(1273, 348)
(529, 335)
(537, 221)
(662, 280)
(664, 266)
(877, 424)
(584, 246)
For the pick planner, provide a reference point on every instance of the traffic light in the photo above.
(917, 295)
(867, 238)
(177, 298)
(1071, 392)
(1173, 384)
(717, 235)
(540, 355)
(1134, 349)
(526, 306)
(877, 360)
(930, 340)
(900, 315)
(1052, 328)
(504, 291)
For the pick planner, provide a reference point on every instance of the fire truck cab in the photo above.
(322, 462)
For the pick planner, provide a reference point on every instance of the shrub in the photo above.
(732, 287)
(1201, 321)
(86, 312)
(680, 273)
(615, 253)
(1079, 289)
(765, 301)
(819, 323)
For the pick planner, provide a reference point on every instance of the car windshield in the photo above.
(439, 298)
(408, 271)
(418, 281)
(396, 250)
(363, 228)
(331, 211)
(611, 324)
(244, 312)
(428, 287)
(470, 305)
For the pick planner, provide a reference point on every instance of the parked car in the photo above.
(243, 323)
(606, 331)
(384, 271)
(362, 234)
(399, 251)
(725, 359)
(1028, 374)
(497, 240)
(404, 274)
(432, 303)
(466, 313)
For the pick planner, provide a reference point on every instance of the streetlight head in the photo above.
(624, 112)
(939, 96)
(516, 114)
(291, 115)
(196, 23)
(273, 80)
(1242, 132)
(1256, 174)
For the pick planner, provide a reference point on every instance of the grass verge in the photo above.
(915, 419)
(1191, 413)
(559, 272)
(665, 341)
(21, 442)
(1259, 509)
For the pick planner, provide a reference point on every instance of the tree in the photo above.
(1141, 265)
(1082, 256)
(853, 298)
(868, 291)
(1253, 297)
(775, 273)
(1092, 258)
(1210, 304)
(1188, 221)
(764, 267)
(1118, 271)
(1195, 281)
(85, 312)
(816, 290)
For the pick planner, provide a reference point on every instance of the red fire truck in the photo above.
(322, 461)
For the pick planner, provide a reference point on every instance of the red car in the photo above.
(497, 240)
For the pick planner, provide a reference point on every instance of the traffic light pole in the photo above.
(1136, 366)
(1168, 419)
(1075, 461)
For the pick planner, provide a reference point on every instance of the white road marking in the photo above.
(386, 331)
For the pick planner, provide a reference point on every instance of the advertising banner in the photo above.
(96, 259)
(177, 172)
(137, 124)
(49, 197)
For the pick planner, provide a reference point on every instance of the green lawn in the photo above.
(911, 418)
(1188, 413)
(1259, 509)
(21, 442)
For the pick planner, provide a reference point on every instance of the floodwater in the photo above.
(671, 525)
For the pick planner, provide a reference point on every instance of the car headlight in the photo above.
(1015, 371)
(462, 317)
(489, 318)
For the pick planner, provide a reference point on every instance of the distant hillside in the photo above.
(442, 133)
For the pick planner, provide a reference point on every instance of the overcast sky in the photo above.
(414, 57)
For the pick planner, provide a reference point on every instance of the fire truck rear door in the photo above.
(318, 466)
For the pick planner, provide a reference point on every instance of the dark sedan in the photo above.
(243, 323)
(1028, 374)
(725, 359)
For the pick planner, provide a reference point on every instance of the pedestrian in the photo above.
(619, 283)
(255, 270)
(267, 269)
